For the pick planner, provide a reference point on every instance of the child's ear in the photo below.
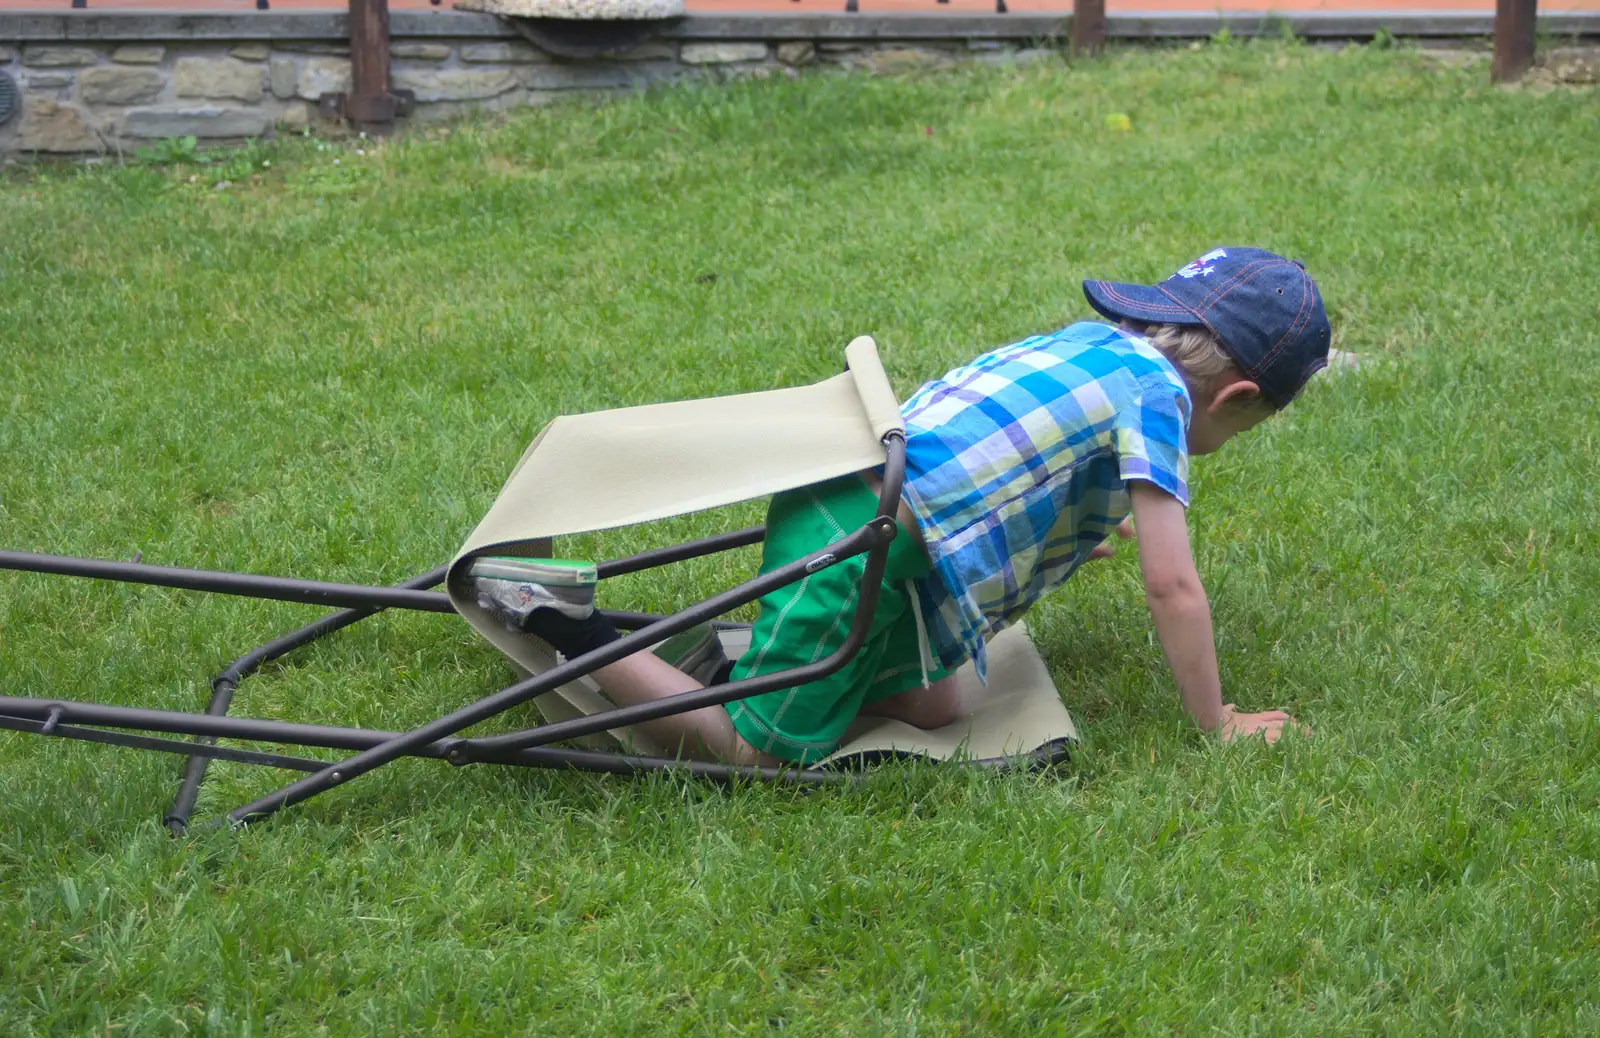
(1242, 393)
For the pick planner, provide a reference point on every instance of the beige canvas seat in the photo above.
(634, 465)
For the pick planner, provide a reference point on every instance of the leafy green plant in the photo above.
(171, 151)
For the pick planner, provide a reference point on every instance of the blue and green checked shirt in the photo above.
(1017, 465)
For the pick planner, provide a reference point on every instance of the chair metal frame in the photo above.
(162, 730)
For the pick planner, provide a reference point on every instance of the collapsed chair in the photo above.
(585, 473)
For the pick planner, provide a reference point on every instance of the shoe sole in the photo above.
(550, 572)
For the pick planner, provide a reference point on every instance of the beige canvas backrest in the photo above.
(632, 465)
(610, 469)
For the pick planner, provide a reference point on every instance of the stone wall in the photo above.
(83, 98)
(103, 82)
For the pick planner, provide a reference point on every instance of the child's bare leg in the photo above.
(704, 734)
(933, 707)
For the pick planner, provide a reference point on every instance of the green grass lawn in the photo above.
(327, 369)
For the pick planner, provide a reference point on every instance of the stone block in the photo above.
(455, 84)
(218, 78)
(419, 51)
(47, 80)
(653, 51)
(797, 53)
(51, 126)
(596, 77)
(502, 54)
(295, 117)
(721, 53)
(111, 85)
(283, 73)
(893, 60)
(138, 54)
(320, 76)
(204, 121)
(441, 111)
(993, 58)
(58, 57)
(250, 52)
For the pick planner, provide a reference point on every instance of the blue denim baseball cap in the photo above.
(1264, 309)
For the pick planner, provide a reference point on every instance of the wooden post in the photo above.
(1513, 39)
(370, 106)
(1088, 25)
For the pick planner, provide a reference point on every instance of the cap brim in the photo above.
(1147, 304)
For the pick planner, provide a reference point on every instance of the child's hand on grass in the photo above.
(1269, 725)
(1106, 549)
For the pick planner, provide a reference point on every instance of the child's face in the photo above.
(1232, 409)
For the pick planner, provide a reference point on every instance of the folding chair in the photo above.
(585, 473)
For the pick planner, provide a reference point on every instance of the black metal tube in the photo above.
(180, 722)
(223, 685)
(873, 537)
(679, 552)
(559, 675)
(358, 739)
(249, 585)
(204, 751)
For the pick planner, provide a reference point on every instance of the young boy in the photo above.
(1018, 466)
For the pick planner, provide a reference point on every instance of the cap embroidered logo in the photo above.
(1199, 268)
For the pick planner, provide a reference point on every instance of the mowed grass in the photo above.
(328, 368)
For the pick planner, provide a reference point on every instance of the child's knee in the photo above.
(936, 706)
(940, 705)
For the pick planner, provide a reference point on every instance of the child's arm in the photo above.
(1183, 616)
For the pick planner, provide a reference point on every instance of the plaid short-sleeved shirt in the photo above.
(1017, 466)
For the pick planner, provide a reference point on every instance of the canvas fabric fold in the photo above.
(635, 465)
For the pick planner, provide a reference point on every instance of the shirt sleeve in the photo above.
(1150, 441)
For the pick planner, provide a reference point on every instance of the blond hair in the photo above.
(1194, 351)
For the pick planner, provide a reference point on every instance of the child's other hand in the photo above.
(1106, 549)
(1268, 724)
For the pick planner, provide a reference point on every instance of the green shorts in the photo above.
(809, 619)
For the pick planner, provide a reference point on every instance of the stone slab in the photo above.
(111, 85)
(797, 53)
(283, 73)
(599, 76)
(318, 76)
(419, 51)
(200, 121)
(502, 54)
(456, 84)
(135, 54)
(58, 57)
(224, 79)
(54, 127)
(47, 80)
(721, 53)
